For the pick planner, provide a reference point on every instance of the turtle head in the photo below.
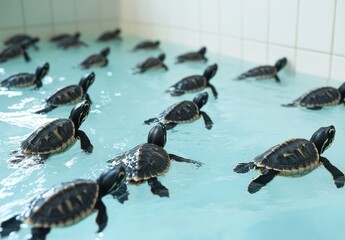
(157, 43)
(161, 57)
(79, 113)
(76, 35)
(117, 31)
(323, 138)
(201, 99)
(111, 180)
(280, 63)
(158, 135)
(202, 50)
(210, 71)
(105, 52)
(87, 81)
(342, 90)
(41, 71)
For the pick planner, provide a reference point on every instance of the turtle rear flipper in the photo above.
(157, 187)
(186, 160)
(10, 225)
(338, 175)
(45, 110)
(261, 180)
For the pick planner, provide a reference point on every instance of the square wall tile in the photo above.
(191, 15)
(209, 16)
(11, 14)
(174, 14)
(315, 24)
(211, 41)
(313, 63)
(254, 52)
(141, 10)
(44, 33)
(191, 38)
(231, 47)
(175, 35)
(230, 18)
(283, 22)
(65, 28)
(339, 33)
(63, 11)
(37, 12)
(129, 28)
(338, 69)
(255, 19)
(110, 24)
(110, 9)
(88, 28)
(277, 52)
(158, 12)
(87, 10)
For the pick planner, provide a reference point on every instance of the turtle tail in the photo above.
(10, 225)
(244, 167)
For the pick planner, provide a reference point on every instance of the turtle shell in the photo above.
(21, 80)
(319, 97)
(150, 63)
(190, 84)
(192, 56)
(17, 39)
(52, 137)
(62, 205)
(94, 60)
(11, 51)
(262, 72)
(181, 112)
(68, 95)
(144, 161)
(294, 157)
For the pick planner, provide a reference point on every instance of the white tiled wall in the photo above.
(310, 33)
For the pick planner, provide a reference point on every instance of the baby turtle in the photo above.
(294, 158)
(71, 41)
(23, 80)
(263, 72)
(21, 39)
(192, 56)
(14, 51)
(150, 64)
(95, 60)
(195, 83)
(110, 35)
(147, 45)
(57, 136)
(320, 97)
(184, 112)
(62, 36)
(71, 94)
(66, 204)
(147, 161)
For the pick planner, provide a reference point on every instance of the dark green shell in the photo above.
(192, 56)
(181, 112)
(190, 84)
(144, 161)
(94, 60)
(20, 80)
(150, 63)
(68, 95)
(62, 205)
(11, 51)
(262, 72)
(52, 137)
(319, 97)
(294, 157)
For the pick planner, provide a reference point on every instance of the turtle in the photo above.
(147, 45)
(147, 161)
(150, 64)
(184, 112)
(23, 80)
(71, 41)
(62, 36)
(195, 83)
(94, 60)
(192, 56)
(57, 136)
(71, 94)
(67, 203)
(295, 157)
(320, 97)
(110, 35)
(263, 72)
(23, 39)
(14, 51)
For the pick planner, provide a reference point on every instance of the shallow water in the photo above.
(210, 202)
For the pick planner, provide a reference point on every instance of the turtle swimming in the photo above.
(293, 158)
(57, 136)
(263, 72)
(62, 36)
(146, 45)
(195, 83)
(71, 41)
(23, 80)
(14, 51)
(66, 204)
(23, 39)
(150, 64)
(96, 60)
(147, 161)
(71, 94)
(319, 98)
(192, 56)
(184, 112)
(110, 35)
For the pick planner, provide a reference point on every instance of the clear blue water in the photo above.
(206, 203)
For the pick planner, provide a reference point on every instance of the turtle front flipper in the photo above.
(186, 160)
(244, 167)
(121, 194)
(165, 67)
(338, 175)
(10, 225)
(207, 120)
(150, 120)
(39, 233)
(85, 142)
(157, 187)
(261, 180)
(214, 91)
(102, 217)
(46, 110)
(277, 78)
(26, 56)
(87, 98)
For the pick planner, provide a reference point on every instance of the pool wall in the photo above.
(311, 33)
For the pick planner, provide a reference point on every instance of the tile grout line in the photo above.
(332, 40)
